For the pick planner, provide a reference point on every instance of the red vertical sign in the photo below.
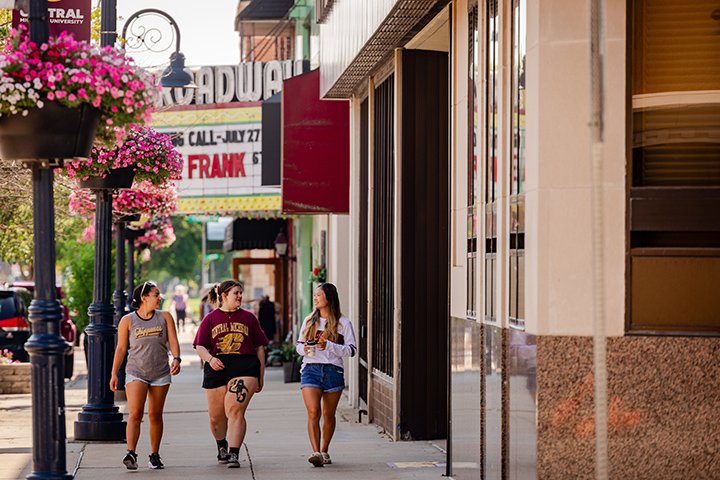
(71, 16)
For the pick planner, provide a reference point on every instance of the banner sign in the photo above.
(222, 157)
(72, 16)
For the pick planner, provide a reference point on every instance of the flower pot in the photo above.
(129, 218)
(114, 179)
(291, 371)
(51, 132)
(133, 233)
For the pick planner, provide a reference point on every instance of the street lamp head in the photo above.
(145, 31)
(175, 75)
(281, 244)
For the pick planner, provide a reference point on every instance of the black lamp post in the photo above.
(46, 347)
(281, 249)
(119, 295)
(100, 418)
(131, 235)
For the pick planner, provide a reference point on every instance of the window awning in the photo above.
(252, 233)
(315, 149)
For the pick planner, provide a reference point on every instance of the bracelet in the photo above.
(179, 360)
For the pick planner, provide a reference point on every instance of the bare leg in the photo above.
(329, 407)
(312, 396)
(216, 411)
(136, 391)
(235, 407)
(156, 404)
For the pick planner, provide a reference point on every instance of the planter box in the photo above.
(291, 371)
(15, 378)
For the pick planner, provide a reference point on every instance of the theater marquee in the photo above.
(217, 127)
(222, 159)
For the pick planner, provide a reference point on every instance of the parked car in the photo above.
(14, 325)
(67, 326)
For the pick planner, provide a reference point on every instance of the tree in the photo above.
(16, 220)
(79, 281)
(182, 260)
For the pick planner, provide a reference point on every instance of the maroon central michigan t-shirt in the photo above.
(225, 333)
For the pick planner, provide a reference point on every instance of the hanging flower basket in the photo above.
(113, 179)
(76, 75)
(150, 153)
(143, 199)
(159, 234)
(53, 131)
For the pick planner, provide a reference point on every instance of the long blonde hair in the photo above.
(333, 320)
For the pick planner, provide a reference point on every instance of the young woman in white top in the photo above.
(326, 336)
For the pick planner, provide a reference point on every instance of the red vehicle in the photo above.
(14, 325)
(20, 325)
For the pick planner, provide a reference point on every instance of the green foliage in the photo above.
(5, 24)
(181, 259)
(16, 233)
(95, 25)
(282, 354)
(79, 286)
(16, 216)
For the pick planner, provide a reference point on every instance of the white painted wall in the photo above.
(348, 27)
(558, 238)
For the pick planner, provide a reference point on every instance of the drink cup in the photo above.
(311, 348)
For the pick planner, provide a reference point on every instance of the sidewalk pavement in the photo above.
(276, 439)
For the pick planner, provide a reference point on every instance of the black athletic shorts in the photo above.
(235, 366)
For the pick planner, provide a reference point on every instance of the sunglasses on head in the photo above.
(142, 290)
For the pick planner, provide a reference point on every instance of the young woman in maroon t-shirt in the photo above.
(232, 344)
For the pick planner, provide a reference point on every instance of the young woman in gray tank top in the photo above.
(145, 336)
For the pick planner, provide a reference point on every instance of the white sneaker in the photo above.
(326, 458)
(316, 459)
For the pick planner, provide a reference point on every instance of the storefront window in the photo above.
(492, 65)
(675, 173)
(472, 199)
(517, 167)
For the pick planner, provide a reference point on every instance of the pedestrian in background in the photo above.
(266, 315)
(232, 344)
(145, 335)
(326, 336)
(179, 304)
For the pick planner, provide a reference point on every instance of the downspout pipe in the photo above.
(597, 42)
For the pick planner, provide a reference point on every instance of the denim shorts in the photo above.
(158, 382)
(325, 376)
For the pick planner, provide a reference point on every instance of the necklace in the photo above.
(229, 314)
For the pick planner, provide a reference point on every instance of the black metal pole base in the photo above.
(47, 351)
(100, 427)
(100, 419)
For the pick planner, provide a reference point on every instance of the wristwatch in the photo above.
(179, 360)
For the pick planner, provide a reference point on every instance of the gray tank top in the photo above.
(148, 352)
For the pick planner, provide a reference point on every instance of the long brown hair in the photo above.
(333, 320)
